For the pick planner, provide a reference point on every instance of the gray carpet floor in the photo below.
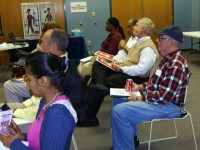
(99, 138)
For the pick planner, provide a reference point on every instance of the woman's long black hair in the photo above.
(63, 75)
(115, 22)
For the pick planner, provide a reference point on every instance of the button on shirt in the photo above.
(168, 84)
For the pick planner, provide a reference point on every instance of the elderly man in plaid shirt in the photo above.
(162, 97)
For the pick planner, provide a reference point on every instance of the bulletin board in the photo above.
(34, 16)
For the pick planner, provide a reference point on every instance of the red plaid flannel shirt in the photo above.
(169, 82)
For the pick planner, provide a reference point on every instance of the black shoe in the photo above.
(89, 123)
(136, 141)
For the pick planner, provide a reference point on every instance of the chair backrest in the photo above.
(186, 90)
(184, 112)
(12, 37)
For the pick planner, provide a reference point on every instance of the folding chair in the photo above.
(183, 116)
(74, 142)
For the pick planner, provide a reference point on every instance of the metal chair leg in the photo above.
(195, 142)
(74, 143)
(149, 140)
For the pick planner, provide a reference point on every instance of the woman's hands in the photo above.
(14, 133)
(7, 139)
(14, 129)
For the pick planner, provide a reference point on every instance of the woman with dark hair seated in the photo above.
(58, 82)
(109, 45)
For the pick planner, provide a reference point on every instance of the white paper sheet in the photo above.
(3, 147)
(122, 92)
(86, 59)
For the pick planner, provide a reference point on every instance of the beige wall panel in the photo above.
(125, 10)
(11, 16)
(160, 11)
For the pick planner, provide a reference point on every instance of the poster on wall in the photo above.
(78, 7)
(46, 12)
(34, 16)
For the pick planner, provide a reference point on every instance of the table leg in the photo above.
(191, 47)
(192, 51)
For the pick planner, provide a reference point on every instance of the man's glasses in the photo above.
(160, 38)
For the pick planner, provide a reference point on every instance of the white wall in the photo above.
(186, 15)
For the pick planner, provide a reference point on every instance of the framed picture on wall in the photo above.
(34, 16)
(31, 20)
(46, 12)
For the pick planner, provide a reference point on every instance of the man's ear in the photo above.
(53, 47)
(143, 29)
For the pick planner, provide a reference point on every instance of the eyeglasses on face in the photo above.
(160, 38)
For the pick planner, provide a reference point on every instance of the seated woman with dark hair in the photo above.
(58, 82)
(109, 45)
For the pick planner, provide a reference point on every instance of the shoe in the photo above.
(89, 123)
(136, 141)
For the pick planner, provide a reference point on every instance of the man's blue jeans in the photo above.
(126, 115)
